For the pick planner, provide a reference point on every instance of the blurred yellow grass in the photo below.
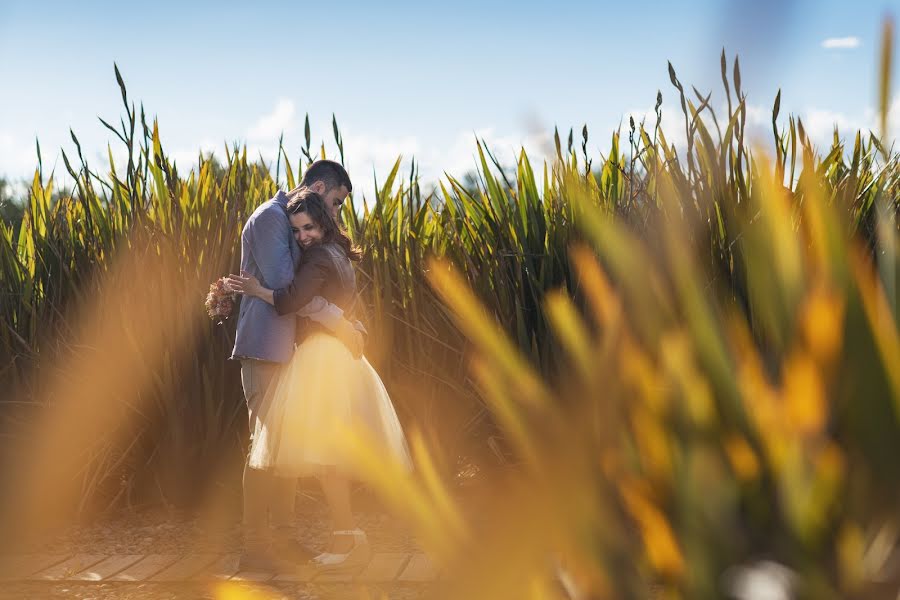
(690, 362)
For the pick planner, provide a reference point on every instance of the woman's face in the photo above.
(306, 231)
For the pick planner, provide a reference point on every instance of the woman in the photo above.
(324, 393)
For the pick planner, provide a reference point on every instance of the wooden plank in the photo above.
(304, 573)
(337, 575)
(106, 568)
(185, 568)
(68, 567)
(420, 568)
(18, 567)
(146, 567)
(384, 567)
(225, 567)
(252, 576)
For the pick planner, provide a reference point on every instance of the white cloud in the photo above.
(17, 157)
(270, 126)
(841, 43)
(365, 151)
(819, 123)
(370, 155)
(186, 158)
(461, 154)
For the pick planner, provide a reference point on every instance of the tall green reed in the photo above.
(508, 234)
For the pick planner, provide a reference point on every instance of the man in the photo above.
(265, 340)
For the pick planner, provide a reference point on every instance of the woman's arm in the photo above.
(248, 285)
(307, 284)
(315, 268)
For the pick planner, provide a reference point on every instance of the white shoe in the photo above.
(357, 557)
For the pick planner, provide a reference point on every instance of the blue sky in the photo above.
(412, 78)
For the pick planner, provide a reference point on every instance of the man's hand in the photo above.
(351, 337)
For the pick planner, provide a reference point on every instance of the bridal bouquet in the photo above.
(220, 301)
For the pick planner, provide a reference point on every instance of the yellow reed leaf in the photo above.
(884, 79)
(580, 574)
(637, 370)
(803, 395)
(820, 226)
(404, 492)
(485, 333)
(659, 541)
(764, 409)
(830, 464)
(652, 443)
(677, 356)
(851, 547)
(572, 332)
(881, 321)
(822, 322)
(508, 414)
(776, 216)
(611, 463)
(810, 485)
(443, 503)
(699, 397)
(780, 449)
(742, 458)
(758, 394)
(604, 302)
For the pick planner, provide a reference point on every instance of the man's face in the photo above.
(334, 198)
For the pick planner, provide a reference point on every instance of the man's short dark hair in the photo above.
(331, 173)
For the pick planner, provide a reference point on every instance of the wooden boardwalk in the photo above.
(172, 568)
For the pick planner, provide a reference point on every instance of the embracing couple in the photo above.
(306, 383)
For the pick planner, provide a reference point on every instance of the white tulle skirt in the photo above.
(323, 399)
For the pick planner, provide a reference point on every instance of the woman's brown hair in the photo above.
(311, 203)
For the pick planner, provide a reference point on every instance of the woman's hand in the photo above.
(245, 284)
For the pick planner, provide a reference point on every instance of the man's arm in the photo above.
(268, 245)
(269, 248)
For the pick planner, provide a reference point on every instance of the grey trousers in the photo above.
(267, 498)
(256, 375)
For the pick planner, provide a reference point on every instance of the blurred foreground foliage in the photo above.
(687, 358)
